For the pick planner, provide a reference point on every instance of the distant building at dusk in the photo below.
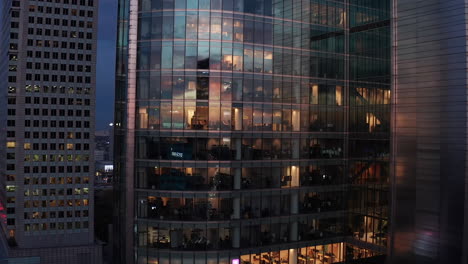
(252, 131)
(50, 101)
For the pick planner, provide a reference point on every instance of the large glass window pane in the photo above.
(155, 63)
(189, 111)
(227, 5)
(238, 60)
(156, 27)
(226, 116)
(214, 116)
(215, 4)
(180, 4)
(248, 59)
(258, 64)
(179, 88)
(248, 33)
(190, 57)
(153, 116)
(204, 4)
(190, 88)
(143, 58)
(145, 28)
(168, 27)
(192, 26)
(166, 116)
(238, 30)
(202, 87)
(237, 89)
(177, 115)
(166, 61)
(215, 84)
(215, 27)
(155, 87)
(203, 25)
(226, 89)
(227, 29)
(258, 33)
(145, 5)
(179, 27)
(215, 57)
(179, 57)
(247, 117)
(143, 86)
(203, 57)
(200, 119)
(227, 59)
(192, 4)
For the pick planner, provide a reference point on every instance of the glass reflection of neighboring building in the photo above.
(252, 131)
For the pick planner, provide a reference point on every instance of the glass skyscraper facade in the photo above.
(252, 131)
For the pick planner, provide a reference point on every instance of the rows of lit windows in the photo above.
(50, 180)
(251, 205)
(61, 112)
(53, 146)
(194, 25)
(329, 253)
(59, 11)
(256, 117)
(55, 55)
(323, 13)
(239, 117)
(58, 180)
(56, 226)
(57, 78)
(55, 158)
(240, 148)
(64, 44)
(69, 2)
(44, 215)
(56, 89)
(239, 59)
(316, 253)
(252, 233)
(247, 87)
(55, 67)
(54, 123)
(218, 178)
(58, 169)
(53, 135)
(52, 203)
(55, 100)
(55, 44)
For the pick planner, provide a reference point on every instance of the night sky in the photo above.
(106, 63)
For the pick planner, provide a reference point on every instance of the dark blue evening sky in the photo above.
(106, 63)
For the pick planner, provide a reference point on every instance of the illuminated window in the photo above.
(27, 146)
(11, 144)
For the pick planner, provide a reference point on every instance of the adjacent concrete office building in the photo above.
(430, 192)
(252, 131)
(47, 188)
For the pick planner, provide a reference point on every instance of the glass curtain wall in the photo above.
(261, 130)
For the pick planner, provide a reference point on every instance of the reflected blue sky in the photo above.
(106, 63)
